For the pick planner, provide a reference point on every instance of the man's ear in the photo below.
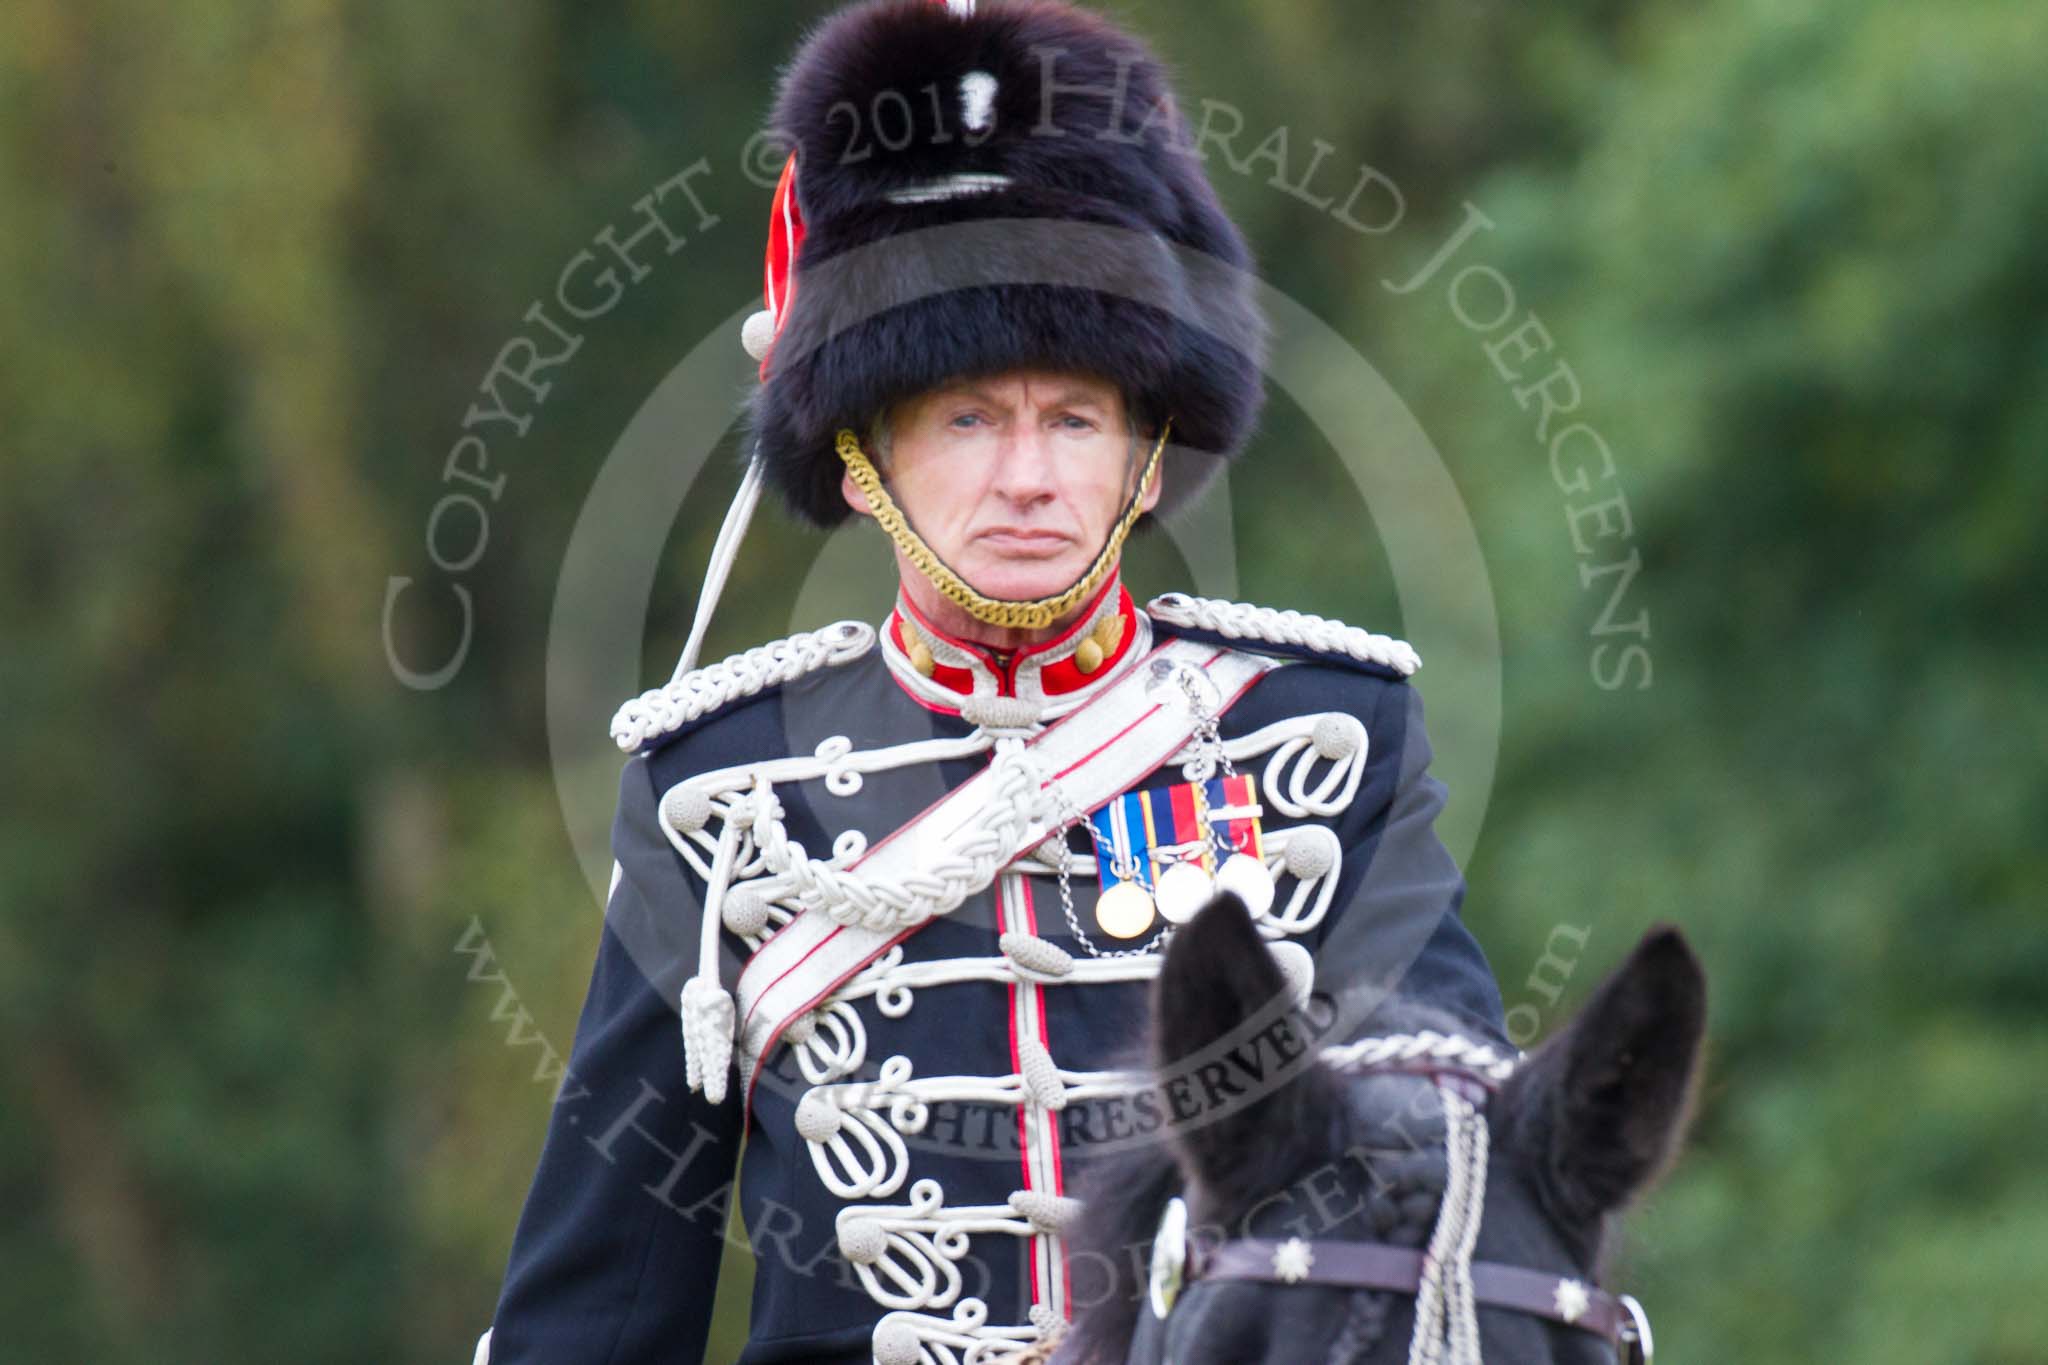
(850, 490)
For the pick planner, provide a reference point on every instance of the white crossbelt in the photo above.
(1098, 751)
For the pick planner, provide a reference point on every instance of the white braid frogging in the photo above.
(1243, 621)
(699, 692)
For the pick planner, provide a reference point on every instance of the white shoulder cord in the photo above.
(700, 691)
(1243, 621)
(724, 551)
(706, 1007)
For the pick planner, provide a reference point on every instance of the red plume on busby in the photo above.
(1010, 188)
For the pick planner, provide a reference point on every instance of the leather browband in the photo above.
(1377, 1265)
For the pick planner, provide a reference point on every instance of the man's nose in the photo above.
(1024, 470)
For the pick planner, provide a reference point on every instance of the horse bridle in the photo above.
(1179, 1259)
(1615, 1318)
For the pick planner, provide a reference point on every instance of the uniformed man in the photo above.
(905, 884)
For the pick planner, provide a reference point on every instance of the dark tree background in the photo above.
(284, 944)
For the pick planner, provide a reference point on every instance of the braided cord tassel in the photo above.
(961, 869)
(1446, 1316)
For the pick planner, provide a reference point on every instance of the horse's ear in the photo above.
(1608, 1099)
(1234, 1054)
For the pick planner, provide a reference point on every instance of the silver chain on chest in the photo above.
(1209, 757)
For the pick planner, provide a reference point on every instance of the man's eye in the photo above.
(1078, 423)
(966, 417)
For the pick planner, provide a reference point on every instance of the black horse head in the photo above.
(1340, 1159)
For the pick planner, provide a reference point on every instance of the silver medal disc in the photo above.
(1183, 890)
(1246, 877)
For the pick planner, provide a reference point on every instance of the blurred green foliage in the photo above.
(283, 945)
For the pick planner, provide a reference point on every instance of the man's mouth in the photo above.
(1023, 541)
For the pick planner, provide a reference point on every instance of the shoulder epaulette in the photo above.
(1292, 630)
(665, 710)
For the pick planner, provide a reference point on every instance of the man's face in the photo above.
(1013, 479)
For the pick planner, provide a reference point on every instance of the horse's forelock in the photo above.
(1387, 1129)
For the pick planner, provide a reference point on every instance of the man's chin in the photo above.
(1024, 582)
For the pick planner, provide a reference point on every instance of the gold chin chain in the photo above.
(1034, 615)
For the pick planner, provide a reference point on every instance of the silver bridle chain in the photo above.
(1209, 756)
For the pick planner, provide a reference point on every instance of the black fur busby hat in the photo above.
(1006, 188)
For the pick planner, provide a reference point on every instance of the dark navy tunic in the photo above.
(616, 1255)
